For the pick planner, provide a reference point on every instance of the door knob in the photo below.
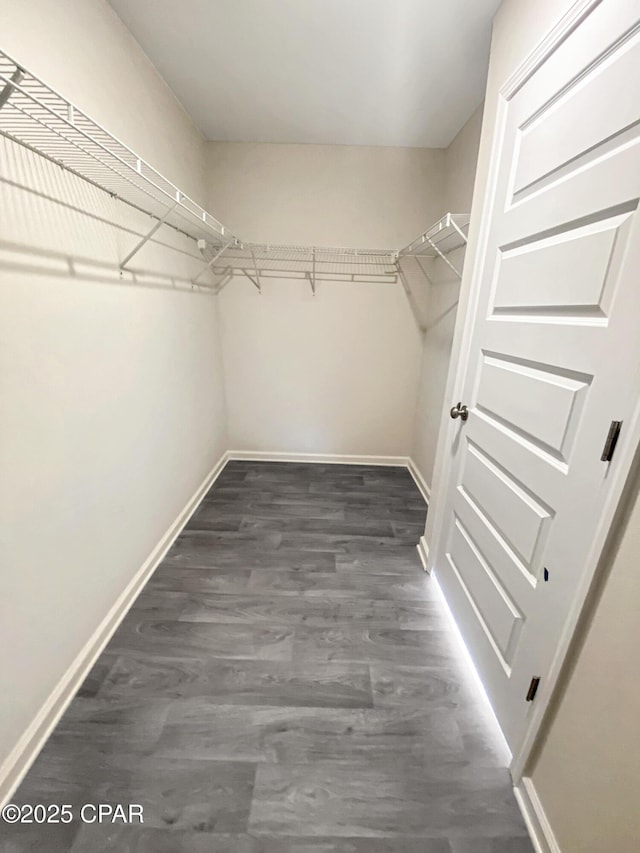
(459, 411)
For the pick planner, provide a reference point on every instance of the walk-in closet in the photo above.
(319, 382)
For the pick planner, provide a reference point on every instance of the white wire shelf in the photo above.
(312, 263)
(448, 234)
(37, 117)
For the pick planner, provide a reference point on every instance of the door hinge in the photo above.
(533, 688)
(612, 439)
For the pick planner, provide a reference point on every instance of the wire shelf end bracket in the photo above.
(10, 85)
(447, 235)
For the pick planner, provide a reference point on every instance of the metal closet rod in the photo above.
(37, 117)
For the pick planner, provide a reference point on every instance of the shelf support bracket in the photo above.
(149, 235)
(313, 272)
(210, 264)
(227, 276)
(444, 258)
(255, 281)
(410, 297)
(428, 278)
(6, 93)
(460, 232)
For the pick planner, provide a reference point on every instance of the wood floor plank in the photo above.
(175, 793)
(405, 686)
(237, 539)
(381, 493)
(231, 474)
(376, 645)
(330, 481)
(136, 840)
(223, 521)
(260, 490)
(207, 796)
(339, 543)
(295, 799)
(185, 639)
(192, 551)
(483, 745)
(407, 531)
(392, 561)
(404, 511)
(520, 843)
(330, 526)
(189, 579)
(97, 675)
(29, 838)
(269, 508)
(319, 610)
(350, 585)
(158, 603)
(255, 608)
(310, 736)
(239, 682)
(121, 726)
(144, 676)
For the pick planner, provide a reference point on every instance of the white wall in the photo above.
(334, 373)
(338, 372)
(112, 398)
(440, 315)
(327, 195)
(586, 772)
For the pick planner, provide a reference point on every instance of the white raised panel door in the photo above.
(553, 357)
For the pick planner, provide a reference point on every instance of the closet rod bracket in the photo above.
(150, 233)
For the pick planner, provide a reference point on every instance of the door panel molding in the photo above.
(487, 482)
(497, 613)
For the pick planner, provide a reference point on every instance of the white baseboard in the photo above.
(323, 458)
(420, 482)
(544, 841)
(423, 552)
(15, 767)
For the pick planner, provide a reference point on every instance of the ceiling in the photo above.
(347, 72)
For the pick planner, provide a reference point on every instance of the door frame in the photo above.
(461, 355)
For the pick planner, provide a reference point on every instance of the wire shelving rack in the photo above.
(37, 117)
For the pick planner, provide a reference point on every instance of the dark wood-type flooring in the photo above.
(287, 682)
